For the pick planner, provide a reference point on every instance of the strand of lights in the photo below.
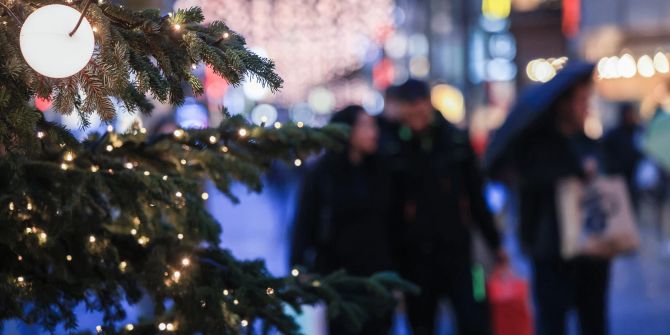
(627, 67)
(543, 70)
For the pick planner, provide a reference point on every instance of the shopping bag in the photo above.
(510, 303)
(596, 218)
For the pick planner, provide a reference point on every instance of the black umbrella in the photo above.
(534, 102)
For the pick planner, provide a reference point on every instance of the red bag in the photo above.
(510, 306)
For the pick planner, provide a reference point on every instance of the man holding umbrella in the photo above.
(543, 141)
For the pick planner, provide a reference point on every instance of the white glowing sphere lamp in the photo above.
(46, 43)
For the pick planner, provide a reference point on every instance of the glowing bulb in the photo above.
(204, 196)
(129, 166)
(611, 68)
(300, 124)
(295, 272)
(183, 162)
(626, 66)
(212, 139)
(69, 156)
(133, 231)
(11, 205)
(243, 132)
(177, 27)
(146, 173)
(226, 292)
(236, 302)
(224, 149)
(20, 279)
(130, 327)
(98, 328)
(185, 262)
(69, 258)
(20, 258)
(645, 66)
(297, 162)
(176, 276)
(94, 168)
(109, 148)
(165, 177)
(661, 63)
(63, 166)
(91, 239)
(110, 128)
(270, 291)
(178, 133)
(277, 125)
(244, 323)
(180, 236)
(40, 134)
(193, 66)
(161, 326)
(169, 327)
(178, 194)
(122, 266)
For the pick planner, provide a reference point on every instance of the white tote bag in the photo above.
(595, 218)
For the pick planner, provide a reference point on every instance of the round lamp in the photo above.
(46, 43)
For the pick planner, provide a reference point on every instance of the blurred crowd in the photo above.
(407, 194)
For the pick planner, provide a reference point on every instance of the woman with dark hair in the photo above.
(342, 220)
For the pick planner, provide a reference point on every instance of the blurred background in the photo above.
(476, 55)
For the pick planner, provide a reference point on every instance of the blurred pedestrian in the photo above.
(344, 212)
(545, 135)
(622, 147)
(440, 197)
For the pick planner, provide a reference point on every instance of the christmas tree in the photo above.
(121, 216)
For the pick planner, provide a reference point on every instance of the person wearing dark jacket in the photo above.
(440, 197)
(344, 212)
(554, 149)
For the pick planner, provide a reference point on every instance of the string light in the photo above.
(165, 177)
(180, 236)
(130, 327)
(29, 206)
(193, 66)
(212, 139)
(94, 168)
(243, 132)
(146, 173)
(295, 272)
(129, 166)
(176, 276)
(169, 327)
(224, 148)
(244, 323)
(185, 261)
(68, 258)
(300, 124)
(177, 27)
(109, 148)
(183, 162)
(226, 35)
(236, 302)
(20, 279)
(204, 196)
(178, 194)
(270, 291)
(277, 125)
(297, 162)
(95, 29)
(143, 240)
(178, 133)
(63, 166)
(91, 239)
(98, 328)
(110, 128)
(226, 292)
(11, 205)
(143, 130)
(136, 221)
(122, 266)
(20, 258)
(161, 326)
(133, 231)
(42, 238)
(40, 135)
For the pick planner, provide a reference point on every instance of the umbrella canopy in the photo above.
(533, 103)
(656, 140)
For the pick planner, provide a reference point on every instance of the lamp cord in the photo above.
(81, 18)
(11, 13)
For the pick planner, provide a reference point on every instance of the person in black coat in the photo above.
(344, 212)
(554, 149)
(439, 195)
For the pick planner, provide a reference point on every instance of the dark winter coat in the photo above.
(544, 158)
(440, 198)
(343, 217)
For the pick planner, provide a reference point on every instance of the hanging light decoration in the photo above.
(311, 42)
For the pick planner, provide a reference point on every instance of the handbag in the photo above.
(510, 303)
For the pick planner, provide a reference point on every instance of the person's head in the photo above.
(392, 110)
(364, 131)
(628, 115)
(573, 107)
(413, 99)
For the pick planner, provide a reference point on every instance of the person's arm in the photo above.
(306, 221)
(479, 210)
